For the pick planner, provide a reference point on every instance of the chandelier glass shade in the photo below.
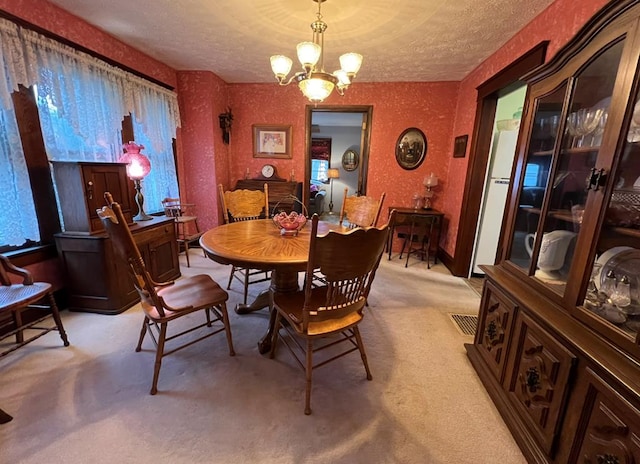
(313, 81)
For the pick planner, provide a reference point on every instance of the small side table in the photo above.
(403, 216)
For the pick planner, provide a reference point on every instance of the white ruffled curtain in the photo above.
(18, 221)
(82, 102)
(155, 133)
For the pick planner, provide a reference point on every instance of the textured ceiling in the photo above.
(401, 40)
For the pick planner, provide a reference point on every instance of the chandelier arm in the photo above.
(295, 77)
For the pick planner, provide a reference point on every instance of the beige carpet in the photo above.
(90, 402)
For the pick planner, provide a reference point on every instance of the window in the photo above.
(319, 170)
(531, 175)
(81, 103)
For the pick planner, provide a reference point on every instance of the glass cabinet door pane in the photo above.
(546, 124)
(585, 123)
(614, 290)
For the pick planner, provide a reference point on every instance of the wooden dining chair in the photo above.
(15, 298)
(165, 302)
(356, 211)
(417, 238)
(360, 211)
(186, 223)
(317, 318)
(245, 205)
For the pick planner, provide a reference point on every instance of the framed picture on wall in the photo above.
(271, 141)
(411, 148)
(460, 146)
(321, 148)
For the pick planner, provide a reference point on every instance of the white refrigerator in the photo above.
(494, 199)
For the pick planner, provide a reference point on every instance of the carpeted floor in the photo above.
(90, 402)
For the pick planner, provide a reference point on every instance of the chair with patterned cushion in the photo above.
(163, 303)
(245, 205)
(15, 298)
(326, 318)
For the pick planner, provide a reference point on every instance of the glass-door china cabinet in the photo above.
(558, 340)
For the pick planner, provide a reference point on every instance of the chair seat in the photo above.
(185, 219)
(187, 295)
(19, 295)
(292, 309)
(27, 296)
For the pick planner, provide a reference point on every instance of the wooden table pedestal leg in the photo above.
(282, 281)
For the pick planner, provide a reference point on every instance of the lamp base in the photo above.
(142, 216)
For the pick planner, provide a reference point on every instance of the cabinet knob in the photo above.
(532, 379)
(607, 459)
(90, 189)
(491, 330)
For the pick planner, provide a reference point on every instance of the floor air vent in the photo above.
(465, 323)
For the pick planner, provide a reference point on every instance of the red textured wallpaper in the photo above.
(396, 106)
(204, 161)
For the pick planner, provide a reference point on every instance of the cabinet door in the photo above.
(106, 177)
(613, 293)
(494, 332)
(159, 251)
(540, 369)
(566, 131)
(609, 432)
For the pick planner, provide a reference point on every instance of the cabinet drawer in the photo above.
(609, 430)
(539, 371)
(494, 332)
(161, 232)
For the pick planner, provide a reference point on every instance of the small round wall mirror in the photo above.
(411, 148)
(350, 160)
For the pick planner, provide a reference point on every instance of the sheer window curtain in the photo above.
(18, 223)
(81, 103)
(154, 126)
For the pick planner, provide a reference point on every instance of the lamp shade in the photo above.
(431, 180)
(308, 54)
(350, 63)
(316, 89)
(333, 174)
(281, 65)
(138, 165)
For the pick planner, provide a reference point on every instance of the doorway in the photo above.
(336, 155)
(460, 263)
(498, 174)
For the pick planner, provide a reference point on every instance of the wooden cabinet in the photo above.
(80, 188)
(539, 371)
(494, 331)
(97, 281)
(609, 431)
(558, 344)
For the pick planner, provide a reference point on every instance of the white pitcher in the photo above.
(553, 249)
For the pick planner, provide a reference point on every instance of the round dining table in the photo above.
(258, 244)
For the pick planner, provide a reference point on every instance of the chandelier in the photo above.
(313, 81)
